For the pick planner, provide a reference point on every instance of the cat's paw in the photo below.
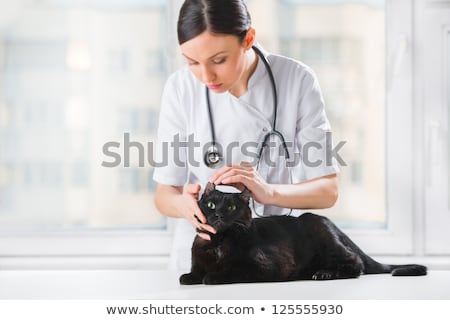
(324, 275)
(190, 278)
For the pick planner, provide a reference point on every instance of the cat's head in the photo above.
(223, 210)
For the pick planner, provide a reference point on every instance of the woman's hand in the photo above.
(192, 212)
(317, 193)
(243, 176)
(181, 202)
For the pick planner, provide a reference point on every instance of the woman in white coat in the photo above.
(242, 104)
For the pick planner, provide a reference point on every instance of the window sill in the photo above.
(156, 262)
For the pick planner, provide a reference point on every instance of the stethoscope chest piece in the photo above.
(213, 158)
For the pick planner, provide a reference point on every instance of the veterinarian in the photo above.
(238, 115)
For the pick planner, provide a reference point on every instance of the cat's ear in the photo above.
(210, 187)
(245, 195)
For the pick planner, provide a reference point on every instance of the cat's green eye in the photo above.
(231, 207)
(211, 205)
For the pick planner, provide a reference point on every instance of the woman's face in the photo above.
(218, 61)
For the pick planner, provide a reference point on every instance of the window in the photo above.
(352, 78)
(67, 85)
(349, 45)
(76, 75)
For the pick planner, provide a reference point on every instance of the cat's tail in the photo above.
(373, 267)
(408, 270)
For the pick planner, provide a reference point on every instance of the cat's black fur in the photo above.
(276, 248)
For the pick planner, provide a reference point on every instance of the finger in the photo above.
(204, 236)
(238, 179)
(219, 173)
(239, 186)
(195, 217)
(194, 220)
(207, 227)
(193, 189)
(199, 216)
(243, 166)
(235, 172)
(195, 223)
(204, 227)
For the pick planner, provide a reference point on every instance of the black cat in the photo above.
(276, 248)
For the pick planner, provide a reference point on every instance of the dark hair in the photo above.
(217, 16)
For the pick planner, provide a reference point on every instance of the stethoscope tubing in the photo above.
(213, 152)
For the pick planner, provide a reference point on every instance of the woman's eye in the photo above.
(232, 207)
(211, 205)
(219, 61)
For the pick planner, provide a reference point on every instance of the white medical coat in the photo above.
(240, 126)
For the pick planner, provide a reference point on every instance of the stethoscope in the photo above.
(213, 157)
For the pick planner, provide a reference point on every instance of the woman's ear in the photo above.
(250, 38)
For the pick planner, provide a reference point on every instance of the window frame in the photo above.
(434, 116)
(401, 175)
(94, 248)
(148, 245)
